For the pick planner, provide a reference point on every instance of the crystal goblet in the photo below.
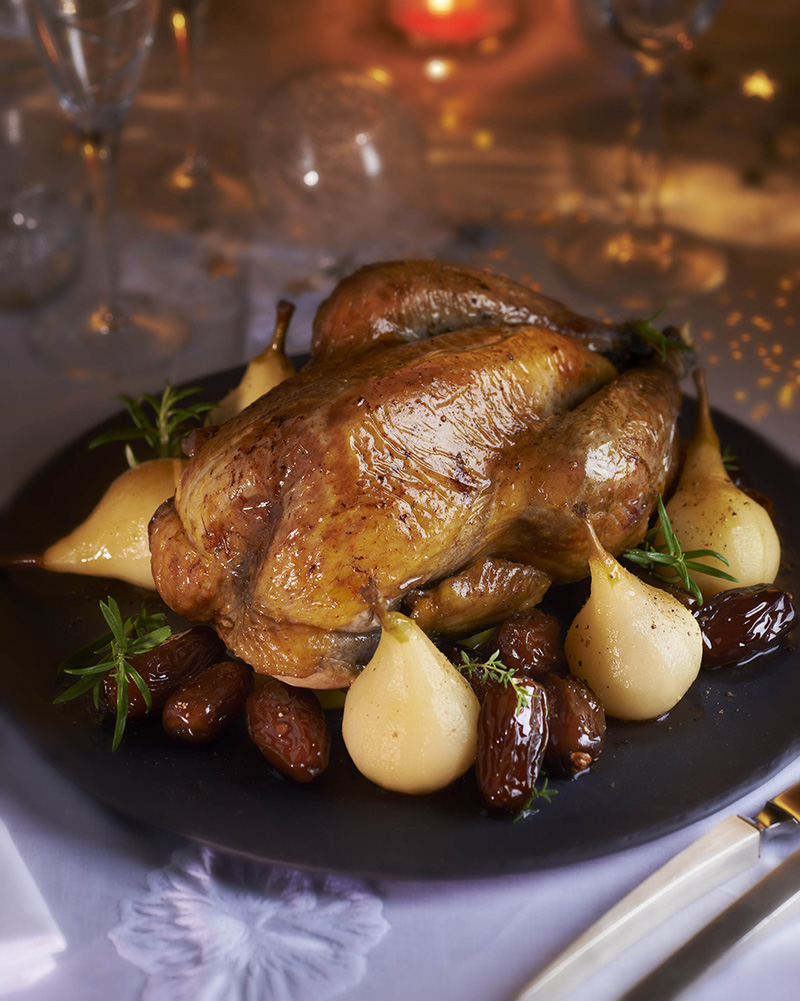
(94, 51)
(644, 262)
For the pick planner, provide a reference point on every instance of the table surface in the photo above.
(521, 147)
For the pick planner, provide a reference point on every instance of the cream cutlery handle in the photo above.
(771, 902)
(728, 848)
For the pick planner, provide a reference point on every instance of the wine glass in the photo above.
(39, 218)
(188, 18)
(339, 173)
(643, 262)
(201, 197)
(94, 51)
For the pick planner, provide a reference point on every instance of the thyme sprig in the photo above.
(493, 669)
(544, 792)
(160, 423)
(656, 338)
(125, 639)
(668, 559)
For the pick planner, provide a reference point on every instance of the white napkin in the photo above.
(28, 934)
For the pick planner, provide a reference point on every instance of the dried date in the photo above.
(744, 622)
(512, 738)
(576, 723)
(530, 642)
(166, 667)
(288, 726)
(202, 709)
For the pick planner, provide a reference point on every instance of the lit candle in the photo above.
(451, 22)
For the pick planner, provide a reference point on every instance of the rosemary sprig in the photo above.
(115, 650)
(670, 557)
(656, 338)
(160, 423)
(544, 792)
(494, 669)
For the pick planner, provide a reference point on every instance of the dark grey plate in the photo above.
(730, 732)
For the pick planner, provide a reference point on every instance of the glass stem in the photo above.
(187, 26)
(100, 148)
(645, 148)
(12, 153)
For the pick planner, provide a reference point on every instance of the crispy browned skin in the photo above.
(613, 453)
(443, 470)
(381, 466)
(399, 301)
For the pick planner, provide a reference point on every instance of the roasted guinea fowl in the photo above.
(403, 301)
(441, 469)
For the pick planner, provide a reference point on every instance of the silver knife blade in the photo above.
(772, 901)
(729, 848)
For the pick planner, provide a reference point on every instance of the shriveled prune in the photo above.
(166, 667)
(511, 742)
(743, 622)
(531, 642)
(576, 723)
(288, 726)
(200, 710)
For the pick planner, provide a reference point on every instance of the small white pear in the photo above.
(636, 646)
(708, 511)
(113, 540)
(410, 718)
(265, 371)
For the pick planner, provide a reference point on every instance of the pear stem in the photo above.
(596, 548)
(284, 311)
(703, 456)
(21, 560)
(703, 428)
(376, 602)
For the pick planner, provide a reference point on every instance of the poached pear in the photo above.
(636, 646)
(113, 540)
(708, 511)
(263, 372)
(410, 718)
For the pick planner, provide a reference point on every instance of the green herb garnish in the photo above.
(729, 460)
(669, 556)
(657, 338)
(545, 792)
(124, 640)
(493, 669)
(478, 639)
(164, 428)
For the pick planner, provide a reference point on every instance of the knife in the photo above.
(730, 847)
(771, 902)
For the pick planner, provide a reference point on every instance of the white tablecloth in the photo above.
(478, 941)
